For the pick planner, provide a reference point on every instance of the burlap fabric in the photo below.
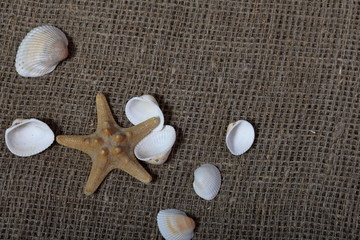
(289, 67)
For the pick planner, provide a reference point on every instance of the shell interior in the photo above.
(40, 51)
(175, 225)
(156, 144)
(139, 109)
(240, 137)
(207, 181)
(28, 137)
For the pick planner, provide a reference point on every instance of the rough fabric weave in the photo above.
(291, 68)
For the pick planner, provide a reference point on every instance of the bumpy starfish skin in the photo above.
(110, 146)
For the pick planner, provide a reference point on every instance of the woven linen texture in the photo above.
(291, 68)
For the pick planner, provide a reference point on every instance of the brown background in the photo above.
(291, 68)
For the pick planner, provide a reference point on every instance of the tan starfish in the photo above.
(110, 146)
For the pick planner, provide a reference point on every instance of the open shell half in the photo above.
(139, 109)
(27, 137)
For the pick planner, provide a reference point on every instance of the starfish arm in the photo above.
(104, 115)
(77, 142)
(99, 170)
(142, 129)
(130, 165)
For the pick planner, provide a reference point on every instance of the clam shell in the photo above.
(139, 109)
(207, 181)
(156, 147)
(175, 225)
(40, 51)
(27, 137)
(240, 137)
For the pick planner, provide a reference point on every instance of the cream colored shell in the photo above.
(175, 225)
(40, 51)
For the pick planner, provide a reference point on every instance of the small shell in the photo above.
(207, 181)
(27, 137)
(139, 109)
(156, 147)
(239, 137)
(175, 225)
(40, 51)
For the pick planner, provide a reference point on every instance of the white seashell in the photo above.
(175, 225)
(139, 109)
(156, 147)
(239, 137)
(40, 51)
(207, 181)
(27, 137)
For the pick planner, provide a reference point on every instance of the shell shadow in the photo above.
(176, 146)
(166, 109)
(54, 127)
(147, 168)
(196, 220)
(71, 46)
(256, 128)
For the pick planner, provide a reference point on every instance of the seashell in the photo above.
(175, 225)
(139, 109)
(40, 51)
(27, 137)
(207, 181)
(239, 137)
(156, 147)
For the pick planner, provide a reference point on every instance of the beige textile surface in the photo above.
(291, 68)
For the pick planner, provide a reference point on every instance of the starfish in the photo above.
(110, 146)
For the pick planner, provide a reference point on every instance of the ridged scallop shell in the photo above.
(27, 137)
(175, 225)
(139, 109)
(156, 147)
(240, 137)
(207, 181)
(40, 51)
